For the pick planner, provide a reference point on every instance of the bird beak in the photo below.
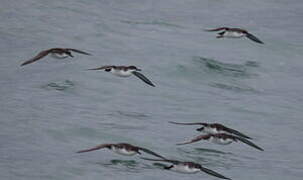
(138, 69)
(200, 129)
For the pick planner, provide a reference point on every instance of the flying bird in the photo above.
(213, 128)
(222, 139)
(59, 53)
(122, 149)
(235, 33)
(187, 167)
(125, 71)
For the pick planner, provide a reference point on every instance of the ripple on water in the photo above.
(59, 85)
(226, 69)
(122, 114)
(233, 87)
(123, 165)
(154, 22)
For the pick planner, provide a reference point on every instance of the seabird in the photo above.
(59, 53)
(222, 139)
(125, 71)
(187, 167)
(235, 33)
(213, 128)
(122, 149)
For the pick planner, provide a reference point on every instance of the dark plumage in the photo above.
(57, 51)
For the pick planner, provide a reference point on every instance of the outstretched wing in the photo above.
(203, 124)
(78, 51)
(233, 131)
(143, 78)
(217, 29)
(253, 38)
(101, 68)
(95, 148)
(249, 143)
(150, 152)
(198, 138)
(37, 57)
(213, 173)
(163, 160)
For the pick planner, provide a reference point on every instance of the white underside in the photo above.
(209, 130)
(122, 73)
(184, 169)
(220, 141)
(231, 34)
(123, 152)
(58, 56)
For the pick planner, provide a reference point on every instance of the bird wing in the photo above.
(198, 138)
(253, 38)
(143, 78)
(95, 148)
(78, 51)
(101, 68)
(150, 152)
(217, 29)
(213, 173)
(163, 160)
(37, 57)
(233, 131)
(203, 124)
(249, 143)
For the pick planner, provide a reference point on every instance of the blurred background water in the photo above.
(53, 108)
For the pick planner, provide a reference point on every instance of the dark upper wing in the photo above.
(101, 68)
(203, 124)
(249, 143)
(233, 131)
(253, 38)
(143, 78)
(163, 160)
(151, 152)
(217, 29)
(78, 51)
(198, 138)
(37, 57)
(95, 148)
(213, 173)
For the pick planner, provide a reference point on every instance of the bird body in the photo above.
(122, 72)
(232, 34)
(187, 167)
(125, 71)
(222, 139)
(58, 53)
(122, 149)
(213, 128)
(226, 32)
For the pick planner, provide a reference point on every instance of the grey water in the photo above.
(52, 108)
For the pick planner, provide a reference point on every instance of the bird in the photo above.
(187, 167)
(125, 71)
(213, 128)
(235, 33)
(59, 53)
(122, 149)
(222, 139)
